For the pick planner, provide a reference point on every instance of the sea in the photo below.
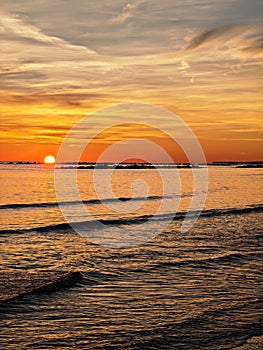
(174, 289)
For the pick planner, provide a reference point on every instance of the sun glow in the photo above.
(49, 159)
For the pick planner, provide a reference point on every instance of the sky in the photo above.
(62, 60)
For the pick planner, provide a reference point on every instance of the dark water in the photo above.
(197, 290)
(200, 289)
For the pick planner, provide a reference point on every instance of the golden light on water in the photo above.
(49, 159)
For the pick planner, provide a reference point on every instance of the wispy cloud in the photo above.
(207, 36)
(245, 40)
(126, 12)
(254, 47)
(220, 36)
(12, 26)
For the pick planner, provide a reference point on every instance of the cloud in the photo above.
(34, 62)
(152, 26)
(240, 42)
(210, 35)
(13, 26)
(254, 47)
(126, 12)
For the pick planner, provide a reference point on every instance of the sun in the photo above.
(49, 159)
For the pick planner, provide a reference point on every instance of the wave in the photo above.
(49, 286)
(202, 331)
(49, 283)
(82, 225)
(228, 258)
(65, 203)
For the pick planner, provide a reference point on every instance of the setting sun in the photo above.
(49, 159)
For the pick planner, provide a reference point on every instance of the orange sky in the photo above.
(202, 63)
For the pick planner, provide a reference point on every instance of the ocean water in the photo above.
(200, 289)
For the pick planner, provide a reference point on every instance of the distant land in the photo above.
(141, 165)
